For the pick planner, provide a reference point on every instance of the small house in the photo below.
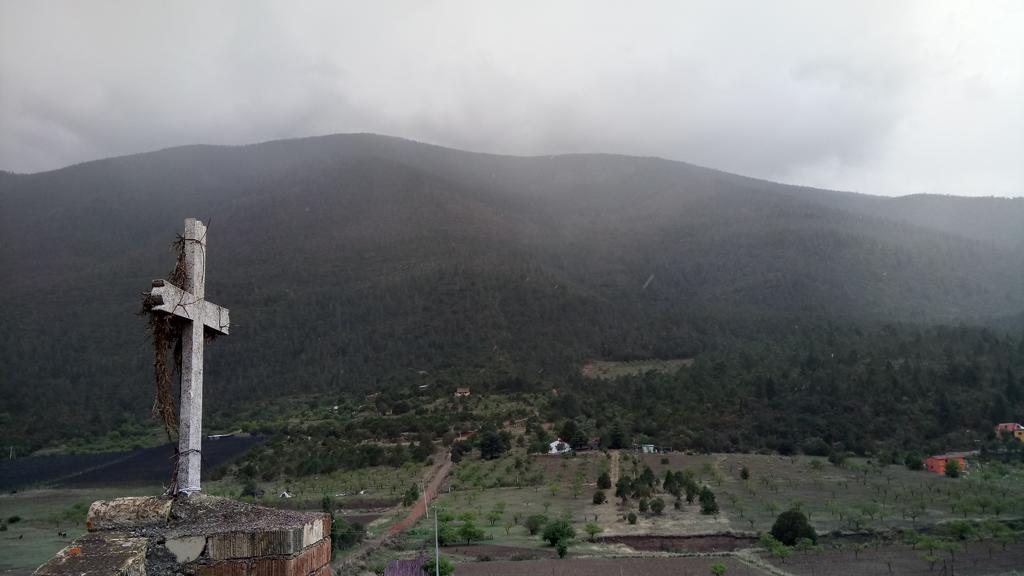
(937, 463)
(461, 392)
(1011, 428)
(648, 448)
(559, 447)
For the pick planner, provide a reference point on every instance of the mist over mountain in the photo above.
(356, 262)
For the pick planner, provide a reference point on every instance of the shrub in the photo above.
(444, 567)
(469, 532)
(535, 523)
(345, 534)
(599, 497)
(604, 481)
(14, 519)
(914, 462)
(952, 468)
(411, 495)
(837, 458)
(807, 545)
(692, 490)
(645, 505)
(718, 569)
(768, 542)
(708, 504)
(492, 445)
(791, 526)
(458, 449)
(631, 518)
(657, 506)
(447, 534)
(250, 489)
(558, 531)
(494, 515)
(562, 548)
(745, 473)
(960, 529)
(815, 447)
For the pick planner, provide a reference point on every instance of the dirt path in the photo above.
(437, 476)
(420, 508)
(750, 558)
(614, 472)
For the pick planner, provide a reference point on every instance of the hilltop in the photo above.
(363, 262)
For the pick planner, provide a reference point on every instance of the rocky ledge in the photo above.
(195, 535)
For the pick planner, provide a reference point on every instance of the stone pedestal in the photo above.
(195, 535)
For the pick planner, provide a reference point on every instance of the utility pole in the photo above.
(423, 489)
(437, 550)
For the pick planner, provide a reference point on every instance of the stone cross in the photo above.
(187, 302)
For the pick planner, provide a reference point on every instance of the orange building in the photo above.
(937, 463)
(1013, 428)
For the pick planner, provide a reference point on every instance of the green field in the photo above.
(609, 370)
(859, 498)
(43, 513)
(33, 539)
(379, 483)
(860, 495)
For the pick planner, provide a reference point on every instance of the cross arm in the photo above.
(173, 300)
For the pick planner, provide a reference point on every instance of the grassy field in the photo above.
(519, 469)
(860, 495)
(43, 513)
(380, 483)
(554, 486)
(608, 370)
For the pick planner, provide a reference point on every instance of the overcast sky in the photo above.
(886, 98)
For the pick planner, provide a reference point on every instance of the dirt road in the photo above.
(420, 508)
(437, 476)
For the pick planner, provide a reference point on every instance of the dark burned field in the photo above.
(703, 543)
(147, 466)
(974, 559)
(690, 566)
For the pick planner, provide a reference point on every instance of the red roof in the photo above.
(1010, 426)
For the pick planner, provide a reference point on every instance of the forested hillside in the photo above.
(824, 390)
(818, 390)
(358, 262)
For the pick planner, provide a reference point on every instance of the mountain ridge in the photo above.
(393, 257)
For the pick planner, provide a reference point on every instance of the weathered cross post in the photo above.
(188, 302)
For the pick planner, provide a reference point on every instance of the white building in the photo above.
(559, 447)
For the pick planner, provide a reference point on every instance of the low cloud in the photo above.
(876, 97)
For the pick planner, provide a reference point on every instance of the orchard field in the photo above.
(868, 516)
